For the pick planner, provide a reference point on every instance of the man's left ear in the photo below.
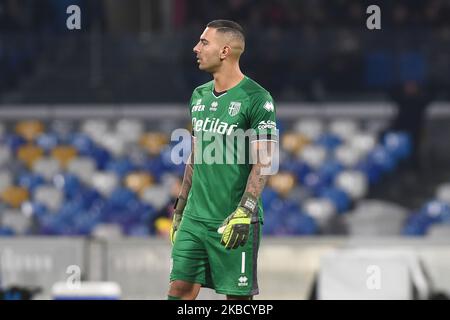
(224, 53)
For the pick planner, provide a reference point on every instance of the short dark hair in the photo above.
(228, 26)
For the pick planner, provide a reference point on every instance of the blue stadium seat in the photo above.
(121, 166)
(340, 198)
(398, 144)
(34, 209)
(371, 170)
(328, 140)
(14, 142)
(47, 141)
(297, 167)
(83, 143)
(382, 159)
(30, 181)
(68, 183)
(329, 170)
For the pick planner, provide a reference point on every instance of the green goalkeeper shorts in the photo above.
(198, 257)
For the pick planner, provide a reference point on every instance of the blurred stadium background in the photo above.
(359, 209)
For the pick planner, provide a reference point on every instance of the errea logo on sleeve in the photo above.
(269, 106)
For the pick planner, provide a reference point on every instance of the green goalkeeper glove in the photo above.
(177, 215)
(236, 227)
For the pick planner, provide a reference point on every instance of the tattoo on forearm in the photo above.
(187, 179)
(256, 182)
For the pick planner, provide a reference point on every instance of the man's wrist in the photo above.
(249, 202)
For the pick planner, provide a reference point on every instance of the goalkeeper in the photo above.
(217, 218)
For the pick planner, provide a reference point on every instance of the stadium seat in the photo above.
(29, 154)
(340, 199)
(29, 129)
(329, 170)
(121, 167)
(30, 181)
(313, 155)
(101, 156)
(47, 141)
(33, 209)
(315, 182)
(83, 168)
(398, 144)
(13, 142)
(64, 154)
(6, 180)
(157, 196)
(298, 223)
(121, 197)
(114, 143)
(353, 182)
(96, 129)
(371, 170)
(345, 129)
(293, 142)
(282, 183)
(16, 221)
(347, 155)
(130, 130)
(5, 155)
(138, 181)
(436, 210)
(68, 183)
(309, 127)
(62, 128)
(14, 196)
(382, 159)
(153, 142)
(46, 167)
(50, 196)
(297, 167)
(322, 210)
(87, 197)
(82, 142)
(328, 140)
(105, 182)
(363, 142)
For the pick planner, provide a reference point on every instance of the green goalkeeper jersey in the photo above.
(222, 157)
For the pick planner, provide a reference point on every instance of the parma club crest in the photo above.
(234, 108)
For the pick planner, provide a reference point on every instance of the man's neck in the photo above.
(226, 80)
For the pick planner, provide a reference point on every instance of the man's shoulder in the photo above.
(203, 87)
(254, 90)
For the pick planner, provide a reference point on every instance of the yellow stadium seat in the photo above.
(64, 154)
(29, 153)
(29, 129)
(153, 142)
(14, 196)
(283, 183)
(138, 181)
(294, 142)
(163, 225)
